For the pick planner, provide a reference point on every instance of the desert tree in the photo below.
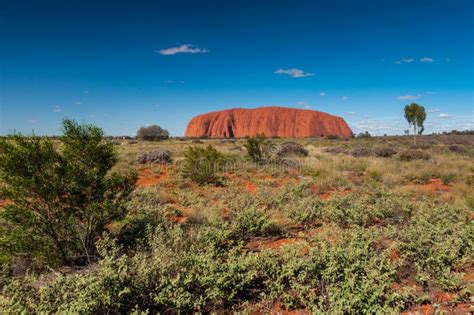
(415, 115)
(62, 193)
(152, 133)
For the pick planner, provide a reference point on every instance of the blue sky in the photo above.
(125, 64)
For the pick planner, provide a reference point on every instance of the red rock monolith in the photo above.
(273, 121)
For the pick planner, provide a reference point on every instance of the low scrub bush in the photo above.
(384, 152)
(290, 148)
(436, 242)
(359, 152)
(447, 178)
(411, 155)
(199, 271)
(253, 221)
(155, 156)
(343, 277)
(145, 213)
(457, 149)
(335, 150)
(201, 165)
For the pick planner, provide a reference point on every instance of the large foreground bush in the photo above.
(62, 198)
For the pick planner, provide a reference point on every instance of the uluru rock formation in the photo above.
(272, 121)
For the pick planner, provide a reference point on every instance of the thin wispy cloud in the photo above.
(344, 98)
(294, 73)
(33, 121)
(408, 97)
(306, 106)
(56, 109)
(444, 116)
(322, 94)
(411, 60)
(173, 81)
(426, 59)
(430, 92)
(351, 113)
(85, 91)
(183, 49)
(77, 103)
(434, 110)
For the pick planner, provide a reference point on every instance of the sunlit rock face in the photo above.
(270, 121)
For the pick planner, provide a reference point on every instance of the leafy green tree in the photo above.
(152, 133)
(62, 196)
(415, 115)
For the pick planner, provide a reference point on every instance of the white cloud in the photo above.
(33, 121)
(444, 115)
(409, 97)
(322, 94)
(56, 109)
(344, 98)
(77, 103)
(398, 62)
(434, 110)
(408, 60)
(294, 73)
(185, 49)
(351, 113)
(426, 59)
(307, 106)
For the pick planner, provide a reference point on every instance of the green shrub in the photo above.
(437, 241)
(202, 164)
(256, 148)
(145, 212)
(375, 175)
(345, 277)
(62, 200)
(364, 208)
(470, 180)
(194, 271)
(253, 221)
(448, 178)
